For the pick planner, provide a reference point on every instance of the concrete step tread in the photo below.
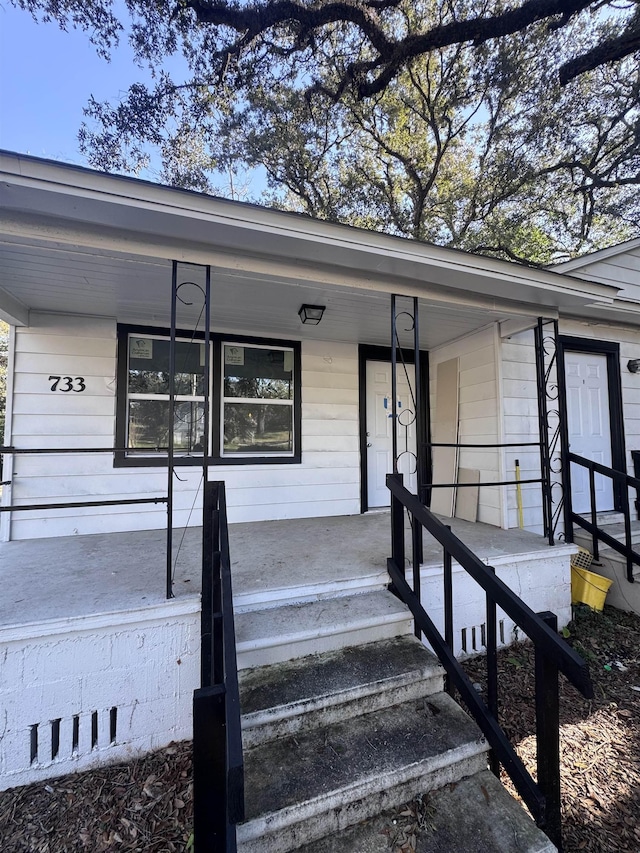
(616, 530)
(300, 777)
(316, 618)
(476, 814)
(291, 696)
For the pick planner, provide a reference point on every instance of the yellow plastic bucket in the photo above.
(588, 588)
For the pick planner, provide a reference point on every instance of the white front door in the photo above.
(379, 434)
(589, 423)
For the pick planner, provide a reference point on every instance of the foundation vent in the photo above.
(60, 739)
(474, 638)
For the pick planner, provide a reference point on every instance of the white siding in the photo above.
(622, 270)
(327, 482)
(520, 405)
(479, 411)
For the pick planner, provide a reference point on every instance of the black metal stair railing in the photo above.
(552, 655)
(218, 770)
(622, 482)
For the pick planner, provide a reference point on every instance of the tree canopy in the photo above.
(511, 128)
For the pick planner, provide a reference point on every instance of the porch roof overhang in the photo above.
(78, 241)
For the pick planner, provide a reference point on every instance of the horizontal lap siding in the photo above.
(478, 412)
(327, 482)
(520, 406)
(621, 270)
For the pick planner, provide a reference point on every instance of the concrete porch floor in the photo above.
(58, 578)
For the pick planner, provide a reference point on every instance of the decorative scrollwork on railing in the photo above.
(405, 417)
(550, 422)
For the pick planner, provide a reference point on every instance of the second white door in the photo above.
(589, 422)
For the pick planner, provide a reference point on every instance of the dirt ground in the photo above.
(146, 805)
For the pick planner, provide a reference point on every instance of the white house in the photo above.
(294, 417)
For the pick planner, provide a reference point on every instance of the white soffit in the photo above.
(44, 203)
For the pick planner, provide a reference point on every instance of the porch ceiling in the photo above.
(137, 289)
(73, 240)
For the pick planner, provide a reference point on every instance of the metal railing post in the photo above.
(547, 700)
(397, 526)
(416, 554)
(210, 790)
(447, 578)
(491, 642)
(594, 511)
(628, 541)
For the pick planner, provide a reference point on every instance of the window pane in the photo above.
(149, 425)
(149, 367)
(258, 373)
(258, 428)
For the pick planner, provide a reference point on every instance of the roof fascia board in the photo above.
(55, 177)
(597, 257)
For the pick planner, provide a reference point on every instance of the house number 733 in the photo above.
(67, 383)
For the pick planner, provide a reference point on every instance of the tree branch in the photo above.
(301, 21)
(603, 54)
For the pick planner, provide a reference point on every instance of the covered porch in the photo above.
(274, 563)
(86, 261)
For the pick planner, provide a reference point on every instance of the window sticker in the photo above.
(141, 347)
(288, 361)
(233, 355)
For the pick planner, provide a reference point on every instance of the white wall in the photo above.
(479, 411)
(520, 405)
(327, 482)
(622, 270)
(144, 663)
(541, 578)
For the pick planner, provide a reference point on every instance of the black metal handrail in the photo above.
(218, 769)
(42, 507)
(624, 482)
(552, 654)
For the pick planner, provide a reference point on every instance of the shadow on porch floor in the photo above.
(57, 578)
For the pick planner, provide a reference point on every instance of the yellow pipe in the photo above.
(519, 496)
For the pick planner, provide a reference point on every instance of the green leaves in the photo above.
(469, 143)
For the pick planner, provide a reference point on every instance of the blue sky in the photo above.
(46, 77)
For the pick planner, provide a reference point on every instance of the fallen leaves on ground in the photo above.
(599, 738)
(146, 805)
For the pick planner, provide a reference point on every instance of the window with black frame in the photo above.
(257, 416)
(148, 395)
(255, 399)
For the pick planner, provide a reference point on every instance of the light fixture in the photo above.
(311, 314)
(633, 366)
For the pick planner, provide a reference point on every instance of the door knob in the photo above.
(369, 444)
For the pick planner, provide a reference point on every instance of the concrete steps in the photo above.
(287, 698)
(291, 631)
(336, 738)
(493, 823)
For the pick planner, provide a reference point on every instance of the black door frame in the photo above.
(611, 350)
(369, 352)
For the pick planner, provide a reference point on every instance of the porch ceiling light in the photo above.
(311, 314)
